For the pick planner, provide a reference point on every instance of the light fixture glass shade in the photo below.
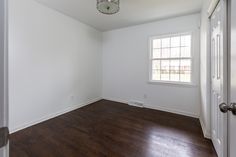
(108, 6)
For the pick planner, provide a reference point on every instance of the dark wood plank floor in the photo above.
(110, 129)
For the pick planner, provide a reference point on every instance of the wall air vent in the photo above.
(136, 103)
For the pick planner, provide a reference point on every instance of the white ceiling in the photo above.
(132, 12)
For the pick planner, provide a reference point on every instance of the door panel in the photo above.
(232, 118)
(219, 78)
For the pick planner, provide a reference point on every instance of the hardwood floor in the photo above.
(110, 129)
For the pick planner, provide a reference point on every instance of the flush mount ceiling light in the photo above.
(108, 6)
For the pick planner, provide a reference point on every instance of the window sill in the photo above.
(176, 84)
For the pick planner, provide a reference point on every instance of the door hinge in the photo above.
(4, 136)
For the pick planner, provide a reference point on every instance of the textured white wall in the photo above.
(54, 63)
(125, 67)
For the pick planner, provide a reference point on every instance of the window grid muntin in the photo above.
(188, 73)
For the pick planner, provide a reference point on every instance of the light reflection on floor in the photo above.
(167, 146)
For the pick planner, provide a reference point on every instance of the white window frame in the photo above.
(150, 44)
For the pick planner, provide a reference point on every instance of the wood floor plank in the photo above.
(111, 129)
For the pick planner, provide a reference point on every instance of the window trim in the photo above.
(150, 59)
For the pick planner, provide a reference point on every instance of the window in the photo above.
(171, 58)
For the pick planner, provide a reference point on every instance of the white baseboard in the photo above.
(158, 108)
(206, 133)
(53, 115)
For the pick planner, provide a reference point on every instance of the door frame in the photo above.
(4, 22)
(229, 68)
(6, 65)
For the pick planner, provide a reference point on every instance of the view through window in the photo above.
(171, 58)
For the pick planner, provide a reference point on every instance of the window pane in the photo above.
(156, 75)
(165, 53)
(185, 70)
(171, 59)
(165, 73)
(186, 40)
(156, 43)
(165, 42)
(185, 76)
(156, 53)
(185, 64)
(175, 41)
(156, 65)
(185, 52)
(174, 70)
(175, 52)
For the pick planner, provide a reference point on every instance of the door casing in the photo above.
(4, 152)
(232, 77)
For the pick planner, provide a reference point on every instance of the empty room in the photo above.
(117, 78)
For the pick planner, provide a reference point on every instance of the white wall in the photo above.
(205, 71)
(125, 67)
(54, 63)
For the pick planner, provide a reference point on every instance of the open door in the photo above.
(219, 76)
(3, 81)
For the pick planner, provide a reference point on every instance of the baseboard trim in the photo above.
(53, 115)
(158, 108)
(206, 133)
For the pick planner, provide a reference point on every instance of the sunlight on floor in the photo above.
(166, 146)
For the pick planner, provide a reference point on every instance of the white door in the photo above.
(219, 78)
(232, 118)
(3, 80)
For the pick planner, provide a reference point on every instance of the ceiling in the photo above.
(132, 12)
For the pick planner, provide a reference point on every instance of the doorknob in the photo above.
(233, 108)
(225, 108)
